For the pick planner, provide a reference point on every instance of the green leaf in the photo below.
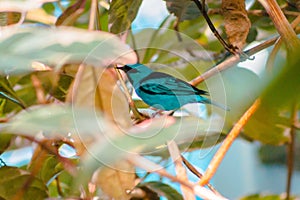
(183, 9)
(61, 90)
(5, 140)
(242, 87)
(7, 92)
(122, 13)
(150, 140)
(272, 120)
(252, 34)
(162, 189)
(65, 182)
(21, 48)
(56, 120)
(13, 181)
(266, 197)
(283, 90)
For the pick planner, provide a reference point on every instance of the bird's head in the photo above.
(136, 72)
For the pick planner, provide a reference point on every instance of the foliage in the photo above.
(59, 90)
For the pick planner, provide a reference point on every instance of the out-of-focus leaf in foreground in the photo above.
(151, 139)
(5, 140)
(57, 120)
(272, 120)
(13, 181)
(242, 88)
(266, 197)
(284, 89)
(21, 48)
(7, 92)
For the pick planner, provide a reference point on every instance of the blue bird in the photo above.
(163, 91)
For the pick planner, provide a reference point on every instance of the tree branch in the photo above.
(235, 131)
(291, 150)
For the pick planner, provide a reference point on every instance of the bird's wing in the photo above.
(161, 83)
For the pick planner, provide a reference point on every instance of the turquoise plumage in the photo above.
(163, 91)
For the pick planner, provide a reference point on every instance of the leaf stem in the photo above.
(235, 131)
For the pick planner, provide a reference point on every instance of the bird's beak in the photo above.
(125, 68)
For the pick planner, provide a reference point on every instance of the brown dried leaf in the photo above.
(71, 14)
(237, 23)
(116, 181)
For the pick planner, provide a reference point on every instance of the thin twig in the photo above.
(58, 187)
(198, 174)
(179, 168)
(233, 60)
(153, 167)
(133, 108)
(93, 12)
(235, 131)
(68, 164)
(272, 56)
(232, 49)
(282, 25)
(291, 150)
(39, 91)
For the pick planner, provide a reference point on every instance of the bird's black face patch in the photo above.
(125, 68)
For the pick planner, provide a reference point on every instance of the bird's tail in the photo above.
(208, 101)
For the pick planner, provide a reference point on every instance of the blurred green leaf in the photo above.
(56, 120)
(5, 140)
(266, 197)
(242, 87)
(183, 9)
(65, 182)
(43, 164)
(162, 189)
(270, 154)
(122, 13)
(151, 139)
(252, 34)
(20, 48)
(272, 119)
(283, 91)
(7, 92)
(49, 8)
(13, 181)
(61, 90)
